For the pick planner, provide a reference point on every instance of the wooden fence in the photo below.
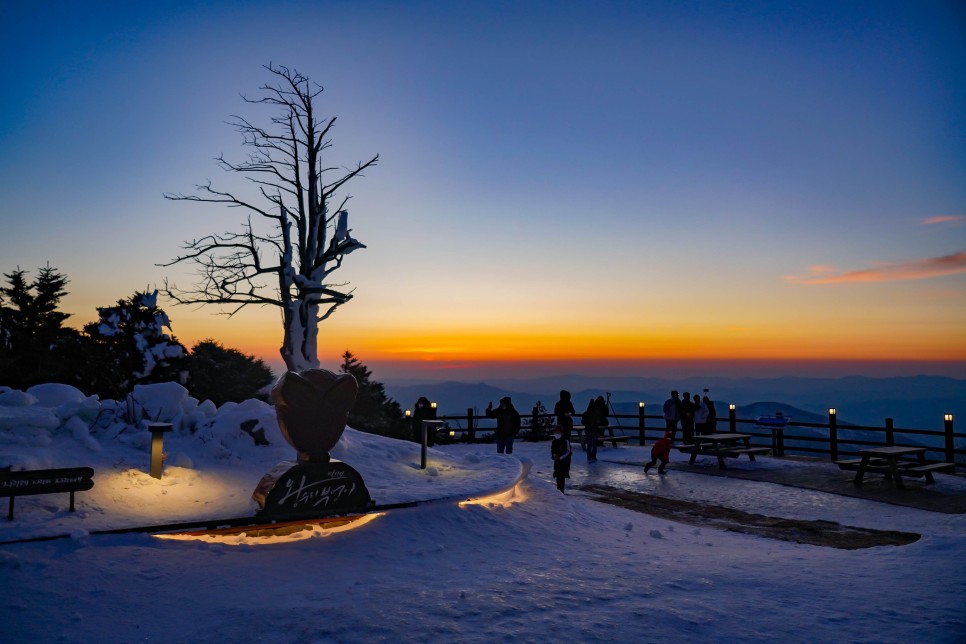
(832, 440)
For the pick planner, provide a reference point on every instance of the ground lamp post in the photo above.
(158, 430)
(731, 418)
(833, 433)
(428, 426)
(641, 423)
(948, 426)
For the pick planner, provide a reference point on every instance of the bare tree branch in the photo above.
(285, 166)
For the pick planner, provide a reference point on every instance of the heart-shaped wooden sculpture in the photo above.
(312, 407)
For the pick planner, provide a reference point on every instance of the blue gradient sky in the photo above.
(565, 182)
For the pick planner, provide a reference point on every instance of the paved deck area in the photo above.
(941, 497)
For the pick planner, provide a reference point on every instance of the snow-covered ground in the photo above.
(529, 565)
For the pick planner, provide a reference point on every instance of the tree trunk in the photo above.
(299, 345)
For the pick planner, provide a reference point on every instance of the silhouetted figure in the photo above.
(671, 413)
(561, 454)
(423, 410)
(591, 422)
(700, 416)
(712, 424)
(564, 411)
(686, 415)
(507, 424)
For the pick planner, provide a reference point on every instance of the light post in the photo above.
(158, 430)
(833, 433)
(641, 422)
(950, 443)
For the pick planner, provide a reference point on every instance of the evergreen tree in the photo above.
(138, 351)
(374, 411)
(34, 344)
(225, 375)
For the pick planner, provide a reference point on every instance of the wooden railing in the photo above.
(833, 441)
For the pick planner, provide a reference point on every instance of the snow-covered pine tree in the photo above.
(139, 350)
(293, 238)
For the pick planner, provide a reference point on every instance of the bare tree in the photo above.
(290, 265)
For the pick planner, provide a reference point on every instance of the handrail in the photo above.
(779, 439)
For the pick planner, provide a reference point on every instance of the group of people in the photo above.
(695, 415)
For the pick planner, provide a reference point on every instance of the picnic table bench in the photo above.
(28, 482)
(722, 446)
(606, 434)
(889, 462)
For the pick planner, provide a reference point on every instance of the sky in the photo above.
(594, 187)
(519, 562)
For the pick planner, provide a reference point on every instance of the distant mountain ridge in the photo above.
(913, 402)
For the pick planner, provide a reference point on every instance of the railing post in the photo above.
(641, 423)
(833, 434)
(732, 423)
(948, 426)
(470, 429)
(422, 446)
(535, 432)
(890, 436)
(780, 441)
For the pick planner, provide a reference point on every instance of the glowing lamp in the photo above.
(452, 433)
(158, 431)
(409, 413)
(831, 411)
(731, 407)
(948, 418)
(433, 405)
(641, 405)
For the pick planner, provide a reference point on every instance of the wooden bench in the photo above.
(605, 435)
(29, 482)
(921, 470)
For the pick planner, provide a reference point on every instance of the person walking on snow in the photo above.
(660, 450)
(560, 453)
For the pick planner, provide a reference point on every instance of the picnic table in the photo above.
(606, 433)
(890, 461)
(722, 446)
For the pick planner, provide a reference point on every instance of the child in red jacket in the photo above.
(660, 450)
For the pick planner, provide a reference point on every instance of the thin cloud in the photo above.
(914, 270)
(945, 219)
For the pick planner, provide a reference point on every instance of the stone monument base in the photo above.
(305, 490)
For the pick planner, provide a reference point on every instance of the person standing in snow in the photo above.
(507, 424)
(712, 424)
(560, 453)
(671, 412)
(661, 450)
(686, 415)
(423, 410)
(700, 416)
(591, 422)
(564, 411)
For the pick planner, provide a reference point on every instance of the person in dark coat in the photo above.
(423, 410)
(560, 453)
(564, 411)
(711, 425)
(661, 450)
(602, 412)
(686, 414)
(671, 412)
(591, 422)
(507, 424)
